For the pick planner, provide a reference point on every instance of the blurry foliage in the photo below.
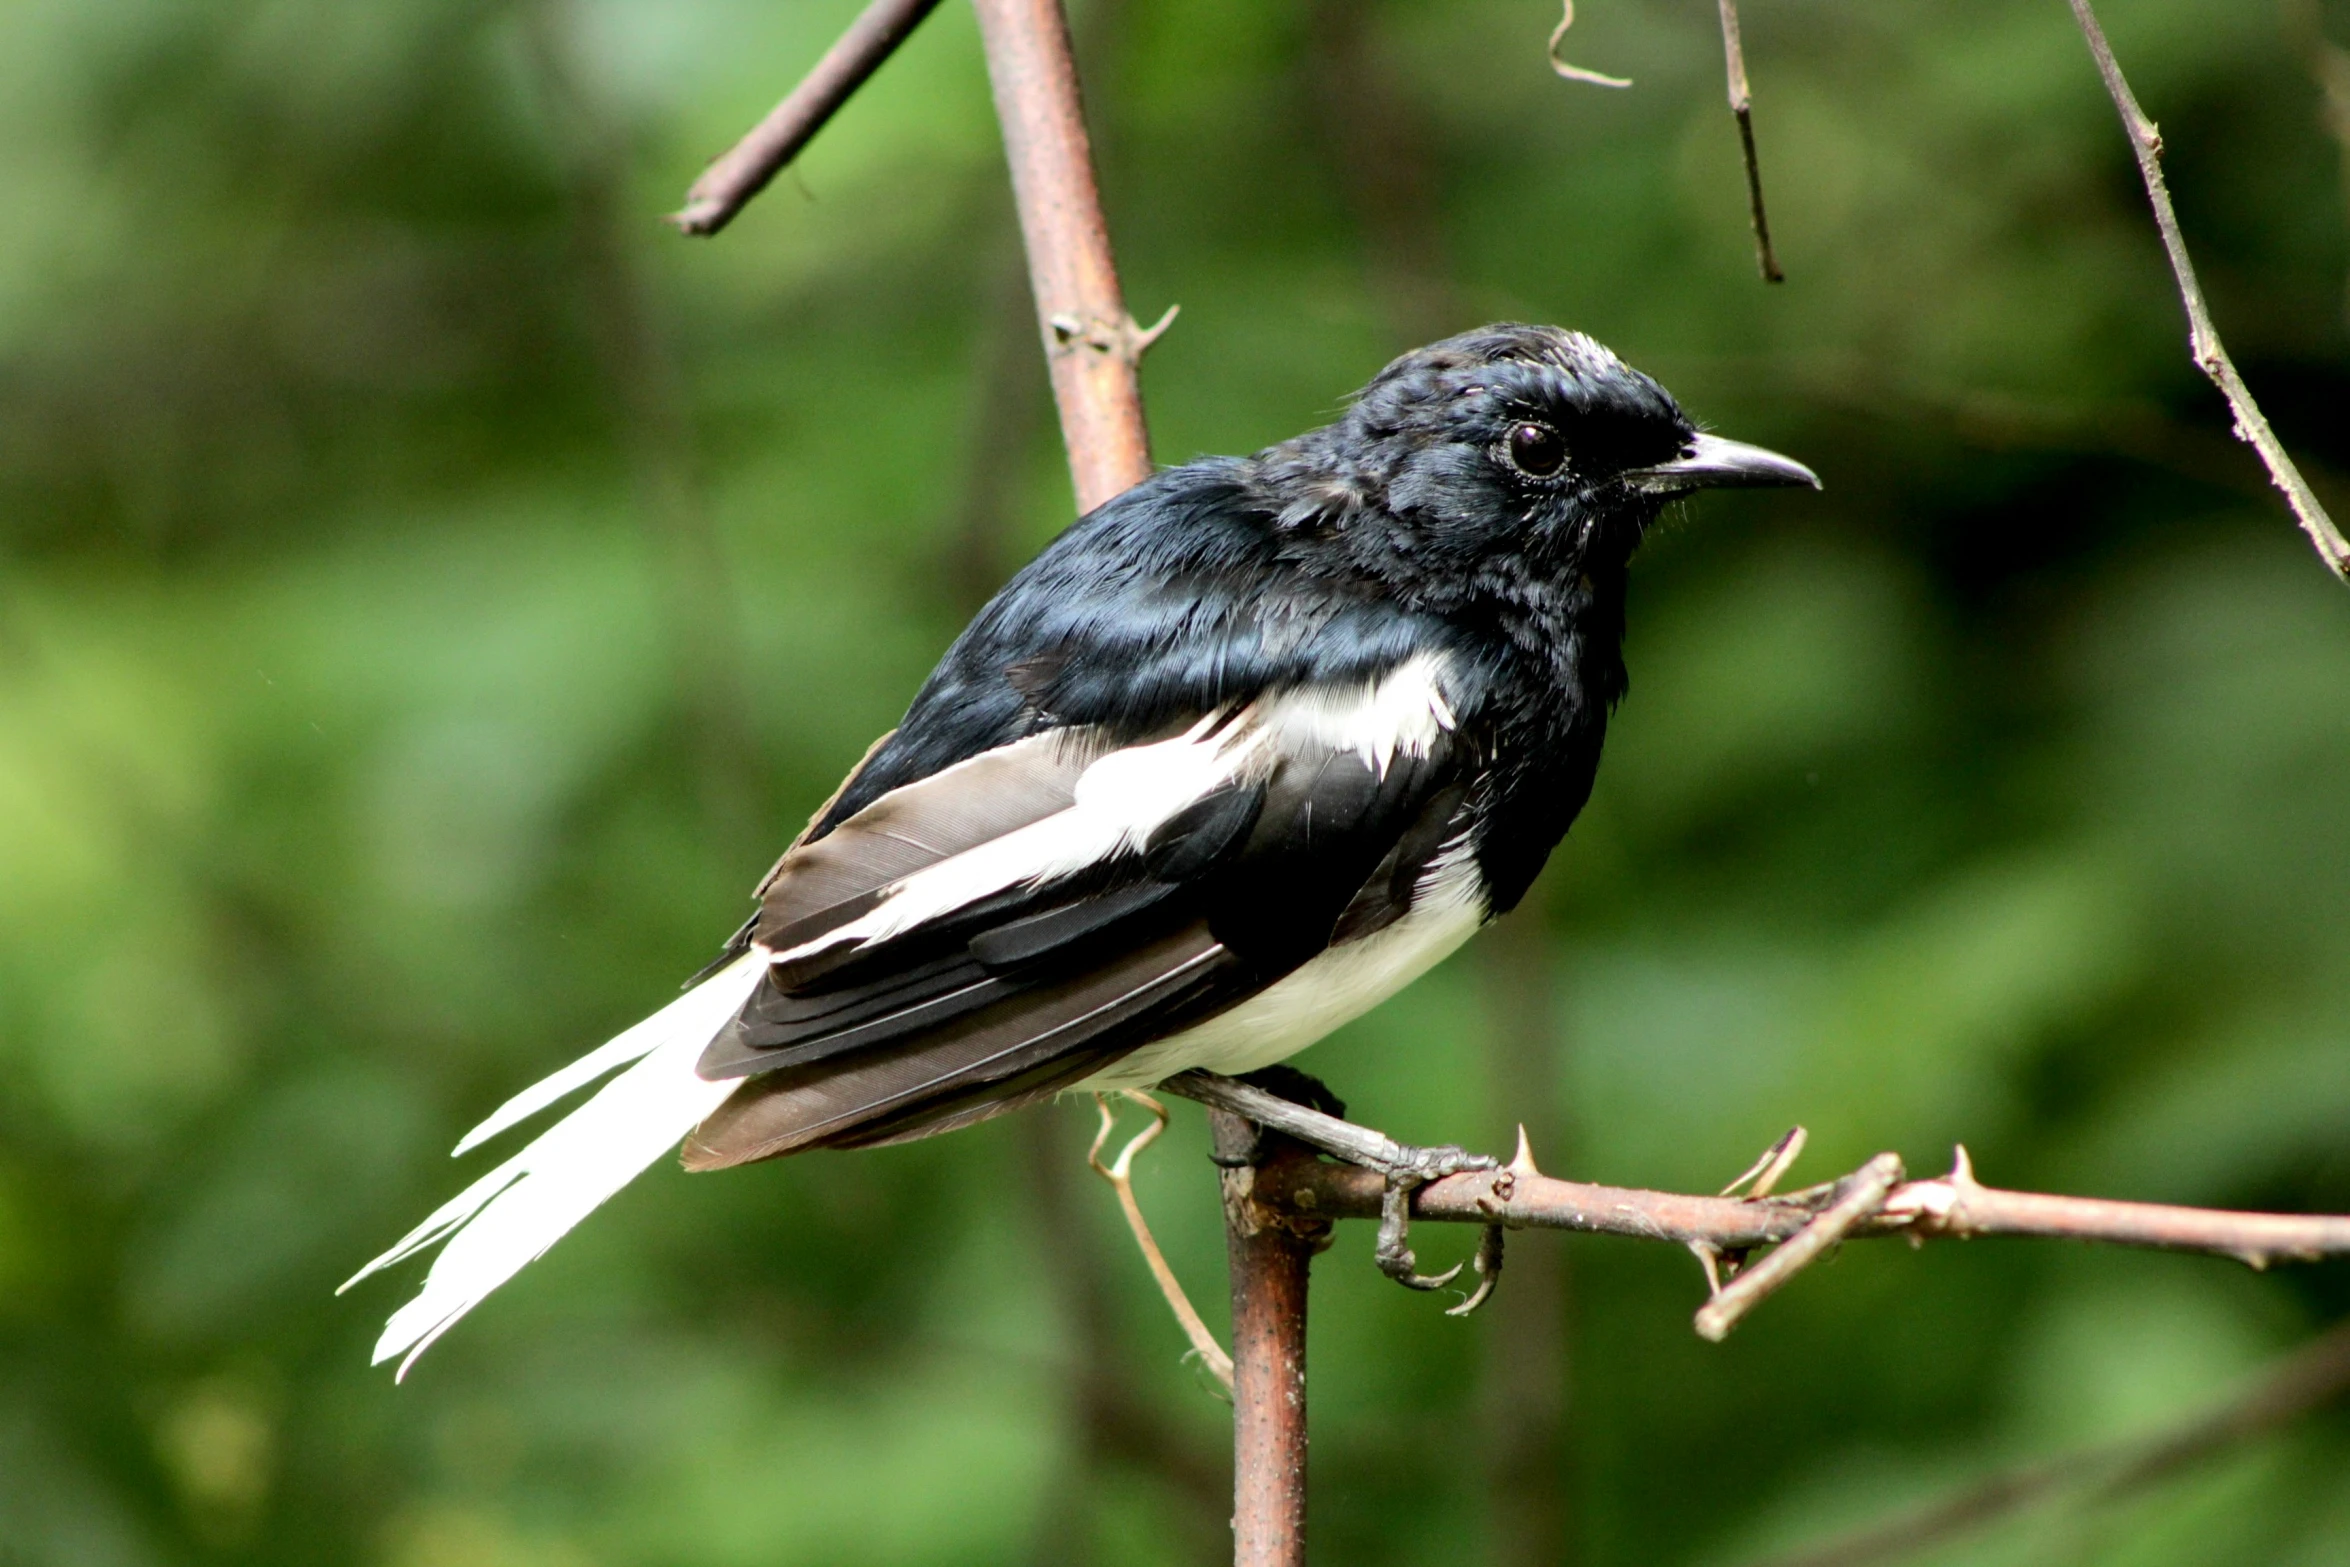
(428, 594)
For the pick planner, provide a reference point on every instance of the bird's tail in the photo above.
(525, 1205)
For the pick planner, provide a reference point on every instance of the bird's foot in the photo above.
(1272, 1099)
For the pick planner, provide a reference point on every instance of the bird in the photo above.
(1240, 754)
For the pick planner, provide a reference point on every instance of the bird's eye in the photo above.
(1535, 449)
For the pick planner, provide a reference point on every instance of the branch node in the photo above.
(1860, 1195)
(1122, 338)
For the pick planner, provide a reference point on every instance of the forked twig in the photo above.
(1762, 1178)
(1776, 1160)
(1860, 1195)
(2202, 337)
(1120, 1174)
(1742, 105)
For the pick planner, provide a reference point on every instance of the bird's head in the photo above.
(1520, 441)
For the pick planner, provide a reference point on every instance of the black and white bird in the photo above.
(1245, 751)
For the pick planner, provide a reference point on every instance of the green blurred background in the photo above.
(430, 592)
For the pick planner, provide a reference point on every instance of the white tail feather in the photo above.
(680, 1016)
(514, 1213)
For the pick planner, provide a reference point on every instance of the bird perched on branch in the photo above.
(1242, 753)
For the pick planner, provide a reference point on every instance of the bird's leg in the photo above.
(1392, 1252)
(1406, 1168)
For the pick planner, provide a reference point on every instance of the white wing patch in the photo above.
(1406, 711)
(1129, 794)
(1120, 801)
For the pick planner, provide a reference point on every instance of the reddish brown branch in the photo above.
(1270, 1249)
(1954, 1205)
(727, 186)
(1092, 344)
(2202, 337)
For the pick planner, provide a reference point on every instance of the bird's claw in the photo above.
(1488, 1265)
(1393, 1253)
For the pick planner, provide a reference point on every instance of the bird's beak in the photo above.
(1710, 463)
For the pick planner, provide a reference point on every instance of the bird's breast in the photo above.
(1325, 993)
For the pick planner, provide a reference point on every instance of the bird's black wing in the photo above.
(1182, 596)
(1016, 922)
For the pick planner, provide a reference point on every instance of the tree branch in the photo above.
(728, 185)
(1270, 1248)
(1954, 1205)
(2202, 337)
(1094, 347)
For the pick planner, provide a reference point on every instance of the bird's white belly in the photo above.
(1334, 988)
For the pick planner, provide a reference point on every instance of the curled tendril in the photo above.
(1576, 73)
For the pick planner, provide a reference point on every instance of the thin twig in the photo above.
(2202, 337)
(728, 185)
(1860, 1196)
(1120, 1174)
(1761, 1179)
(2311, 1377)
(1742, 105)
(1763, 1175)
(1576, 73)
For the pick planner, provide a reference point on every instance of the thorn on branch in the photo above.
(1576, 73)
